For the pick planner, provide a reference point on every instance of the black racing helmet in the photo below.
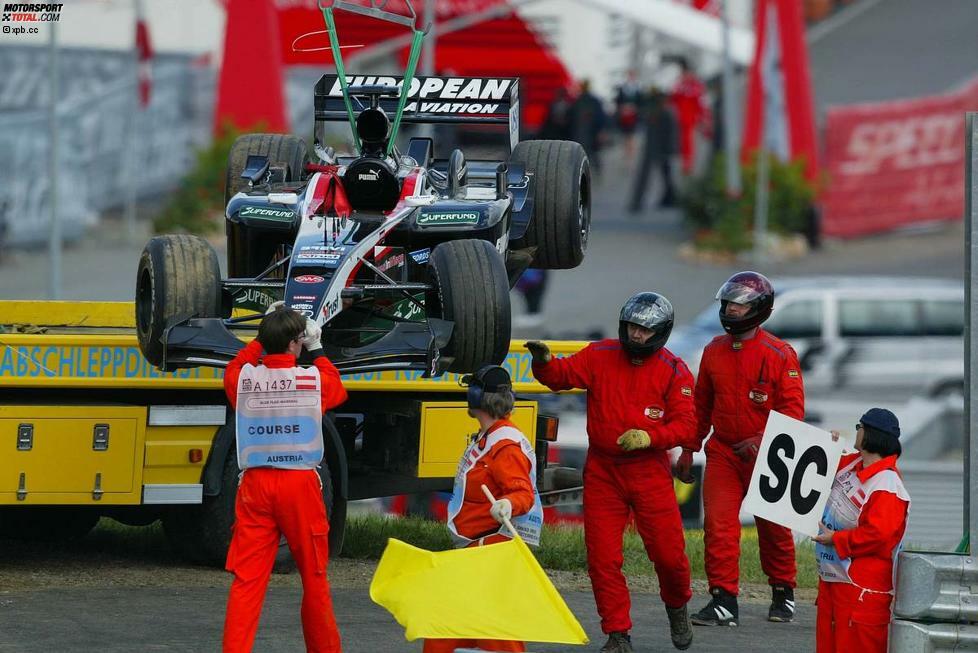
(652, 311)
(752, 289)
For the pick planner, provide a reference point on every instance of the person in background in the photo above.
(557, 126)
(628, 103)
(532, 284)
(639, 405)
(687, 98)
(279, 409)
(657, 151)
(857, 546)
(500, 457)
(587, 123)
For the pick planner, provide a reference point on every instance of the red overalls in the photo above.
(274, 502)
(506, 472)
(655, 396)
(739, 383)
(855, 616)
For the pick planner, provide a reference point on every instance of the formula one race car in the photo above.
(405, 260)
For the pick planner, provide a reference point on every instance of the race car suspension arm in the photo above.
(393, 285)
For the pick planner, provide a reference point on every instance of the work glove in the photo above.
(501, 510)
(684, 467)
(747, 449)
(634, 439)
(311, 338)
(274, 306)
(539, 351)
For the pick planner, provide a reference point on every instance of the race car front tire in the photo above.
(471, 289)
(561, 222)
(177, 275)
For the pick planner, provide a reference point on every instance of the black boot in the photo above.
(679, 627)
(720, 611)
(782, 604)
(617, 643)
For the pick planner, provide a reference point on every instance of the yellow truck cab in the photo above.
(89, 428)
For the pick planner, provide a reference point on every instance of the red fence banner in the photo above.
(892, 164)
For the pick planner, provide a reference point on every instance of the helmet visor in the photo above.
(646, 314)
(737, 293)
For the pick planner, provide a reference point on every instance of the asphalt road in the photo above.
(190, 620)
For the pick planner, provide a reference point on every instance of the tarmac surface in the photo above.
(190, 620)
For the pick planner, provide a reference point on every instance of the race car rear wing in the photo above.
(456, 100)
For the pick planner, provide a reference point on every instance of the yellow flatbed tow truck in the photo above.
(89, 428)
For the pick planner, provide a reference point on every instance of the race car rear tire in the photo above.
(281, 150)
(177, 275)
(249, 257)
(561, 202)
(471, 289)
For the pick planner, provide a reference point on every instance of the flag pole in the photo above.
(506, 521)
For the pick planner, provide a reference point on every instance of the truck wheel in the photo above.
(47, 523)
(471, 289)
(248, 257)
(177, 275)
(202, 534)
(561, 202)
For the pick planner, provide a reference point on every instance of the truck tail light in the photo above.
(196, 455)
(547, 427)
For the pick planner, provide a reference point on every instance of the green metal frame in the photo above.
(417, 41)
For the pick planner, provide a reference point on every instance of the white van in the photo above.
(873, 333)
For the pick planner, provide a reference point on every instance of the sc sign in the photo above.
(795, 467)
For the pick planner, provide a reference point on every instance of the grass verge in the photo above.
(561, 547)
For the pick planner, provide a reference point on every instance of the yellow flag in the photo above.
(498, 591)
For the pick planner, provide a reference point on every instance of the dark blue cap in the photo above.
(882, 420)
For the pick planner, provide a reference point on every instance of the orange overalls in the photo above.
(272, 502)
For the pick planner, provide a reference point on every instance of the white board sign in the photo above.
(793, 474)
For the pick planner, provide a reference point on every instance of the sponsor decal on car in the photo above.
(448, 218)
(391, 262)
(267, 213)
(303, 298)
(421, 256)
(308, 278)
(332, 249)
(317, 256)
(307, 307)
(330, 307)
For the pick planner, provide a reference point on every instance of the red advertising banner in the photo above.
(891, 164)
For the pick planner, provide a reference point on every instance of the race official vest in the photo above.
(528, 525)
(279, 417)
(845, 503)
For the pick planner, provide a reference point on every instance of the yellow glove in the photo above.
(633, 439)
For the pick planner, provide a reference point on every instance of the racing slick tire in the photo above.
(177, 275)
(248, 257)
(202, 533)
(471, 289)
(561, 202)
